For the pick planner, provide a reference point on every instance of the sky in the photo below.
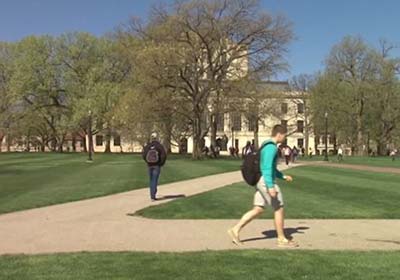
(317, 24)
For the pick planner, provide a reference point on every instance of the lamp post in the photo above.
(326, 137)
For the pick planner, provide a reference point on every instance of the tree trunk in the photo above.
(90, 136)
(359, 140)
(256, 140)
(380, 148)
(213, 134)
(1, 142)
(166, 141)
(108, 141)
(8, 139)
(197, 139)
(74, 143)
(84, 144)
(306, 128)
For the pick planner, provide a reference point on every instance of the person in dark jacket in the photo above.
(155, 156)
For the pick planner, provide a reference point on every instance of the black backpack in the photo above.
(152, 156)
(251, 167)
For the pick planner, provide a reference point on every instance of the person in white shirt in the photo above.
(287, 152)
(340, 154)
(393, 154)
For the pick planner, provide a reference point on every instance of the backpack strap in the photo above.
(264, 145)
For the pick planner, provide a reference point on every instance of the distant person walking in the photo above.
(287, 152)
(155, 156)
(310, 153)
(247, 150)
(393, 154)
(340, 154)
(268, 192)
(295, 153)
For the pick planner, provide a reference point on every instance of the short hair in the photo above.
(278, 129)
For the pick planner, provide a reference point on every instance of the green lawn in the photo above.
(317, 192)
(34, 180)
(371, 161)
(230, 265)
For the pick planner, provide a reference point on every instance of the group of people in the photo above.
(289, 154)
(267, 191)
(212, 152)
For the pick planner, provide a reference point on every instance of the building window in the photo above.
(99, 140)
(300, 108)
(236, 121)
(117, 140)
(284, 123)
(252, 121)
(300, 143)
(284, 108)
(300, 126)
(220, 122)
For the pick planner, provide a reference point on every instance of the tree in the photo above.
(354, 63)
(93, 73)
(360, 91)
(38, 87)
(197, 48)
(383, 100)
(6, 56)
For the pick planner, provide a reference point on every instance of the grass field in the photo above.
(317, 192)
(371, 161)
(230, 265)
(34, 180)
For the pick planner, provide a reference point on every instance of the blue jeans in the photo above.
(154, 173)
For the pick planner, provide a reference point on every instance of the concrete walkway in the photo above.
(103, 224)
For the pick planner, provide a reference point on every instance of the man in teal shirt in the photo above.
(268, 192)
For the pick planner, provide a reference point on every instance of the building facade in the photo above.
(234, 129)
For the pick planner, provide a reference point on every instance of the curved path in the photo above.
(104, 224)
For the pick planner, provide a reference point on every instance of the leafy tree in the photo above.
(93, 74)
(37, 84)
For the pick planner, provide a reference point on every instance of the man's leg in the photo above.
(156, 177)
(153, 183)
(246, 218)
(279, 220)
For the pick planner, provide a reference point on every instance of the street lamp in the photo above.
(326, 137)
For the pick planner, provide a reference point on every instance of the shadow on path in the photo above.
(166, 197)
(269, 234)
(384, 241)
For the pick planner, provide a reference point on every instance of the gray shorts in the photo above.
(262, 197)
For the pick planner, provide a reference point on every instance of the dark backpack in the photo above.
(251, 167)
(152, 156)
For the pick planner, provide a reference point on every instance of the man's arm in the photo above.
(163, 154)
(279, 174)
(144, 152)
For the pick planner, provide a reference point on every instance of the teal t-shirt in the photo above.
(268, 164)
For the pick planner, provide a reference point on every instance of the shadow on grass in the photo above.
(269, 234)
(165, 197)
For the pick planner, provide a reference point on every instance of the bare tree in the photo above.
(197, 48)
